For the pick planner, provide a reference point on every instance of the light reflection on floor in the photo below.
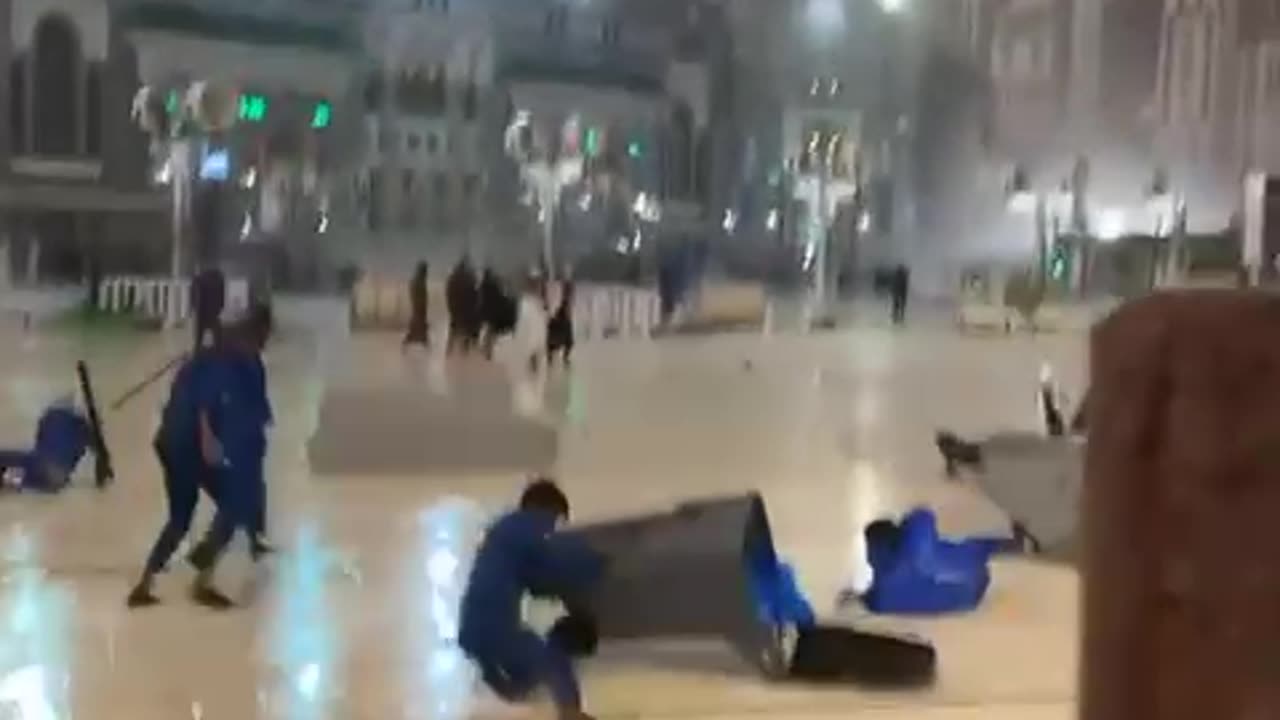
(35, 641)
(448, 532)
(305, 634)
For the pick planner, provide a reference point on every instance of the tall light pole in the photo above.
(545, 173)
(823, 194)
(175, 121)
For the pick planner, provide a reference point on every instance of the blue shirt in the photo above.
(228, 386)
(246, 438)
(520, 554)
(194, 390)
(62, 438)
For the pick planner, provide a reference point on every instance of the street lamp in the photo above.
(1024, 199)
(545, 173)
(174, 122)
(823, 194)
(1168, 210)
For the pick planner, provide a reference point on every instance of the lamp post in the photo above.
(174, 122)
(1169, 211)
(1023, 198)
(823, 194)
(544, 173)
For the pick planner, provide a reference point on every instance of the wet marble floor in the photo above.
(354, 618)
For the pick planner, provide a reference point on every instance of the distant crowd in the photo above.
(538, 317)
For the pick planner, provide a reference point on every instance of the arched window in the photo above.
(682, 151)
(18, 105)
(57, 81)
(93, 100)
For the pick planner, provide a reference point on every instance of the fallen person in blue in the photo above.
(522, 554)
(917, 572)
(63, 437)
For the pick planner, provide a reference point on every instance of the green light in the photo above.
(322, 115)
(1058, 265)
(635, 150)
(171, 102)
(253, 108)
(593, 142)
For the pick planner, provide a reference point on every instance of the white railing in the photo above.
(161, 298)
(607, 311)
(599, 311)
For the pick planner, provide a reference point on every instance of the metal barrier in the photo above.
(160, 298)
(599, 311)
(605, 311)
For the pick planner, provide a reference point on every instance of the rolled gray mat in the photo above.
(409, 431)
(687, 574)
(1037, 481)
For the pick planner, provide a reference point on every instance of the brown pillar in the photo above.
(1181, 512)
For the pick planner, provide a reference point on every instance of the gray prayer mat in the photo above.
(407, 430)
(1037, 481)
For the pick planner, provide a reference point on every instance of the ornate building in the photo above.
(85, 191)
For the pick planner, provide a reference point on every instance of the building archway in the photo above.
(57, 73)
(681, 162)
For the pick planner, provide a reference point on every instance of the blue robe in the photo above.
(63, 437)
(923, 574)
(242, 412)
(521, 555)
(779, 600)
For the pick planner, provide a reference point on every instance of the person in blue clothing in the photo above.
(63, 437)
(522, 554)
(211, 437)
(241, 489)
(254, 377)
(917, 572)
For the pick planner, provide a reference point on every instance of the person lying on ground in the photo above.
(63, 437)
(915, 571)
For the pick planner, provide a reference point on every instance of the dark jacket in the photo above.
(497, 309)
(462, 297)
(209, 294)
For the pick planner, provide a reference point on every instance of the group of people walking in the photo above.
(481, 310)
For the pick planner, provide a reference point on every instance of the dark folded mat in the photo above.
(824, 654)
(833, 654)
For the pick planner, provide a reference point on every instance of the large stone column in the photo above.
(1181, 509)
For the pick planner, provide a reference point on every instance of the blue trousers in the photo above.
(513, 666)
(258, 487)
(237, 498)
(184, 478)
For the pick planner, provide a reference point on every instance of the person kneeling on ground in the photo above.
(522, 554)
(63, 437)
(917, 572)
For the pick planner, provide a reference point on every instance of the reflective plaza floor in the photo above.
(354, 618)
